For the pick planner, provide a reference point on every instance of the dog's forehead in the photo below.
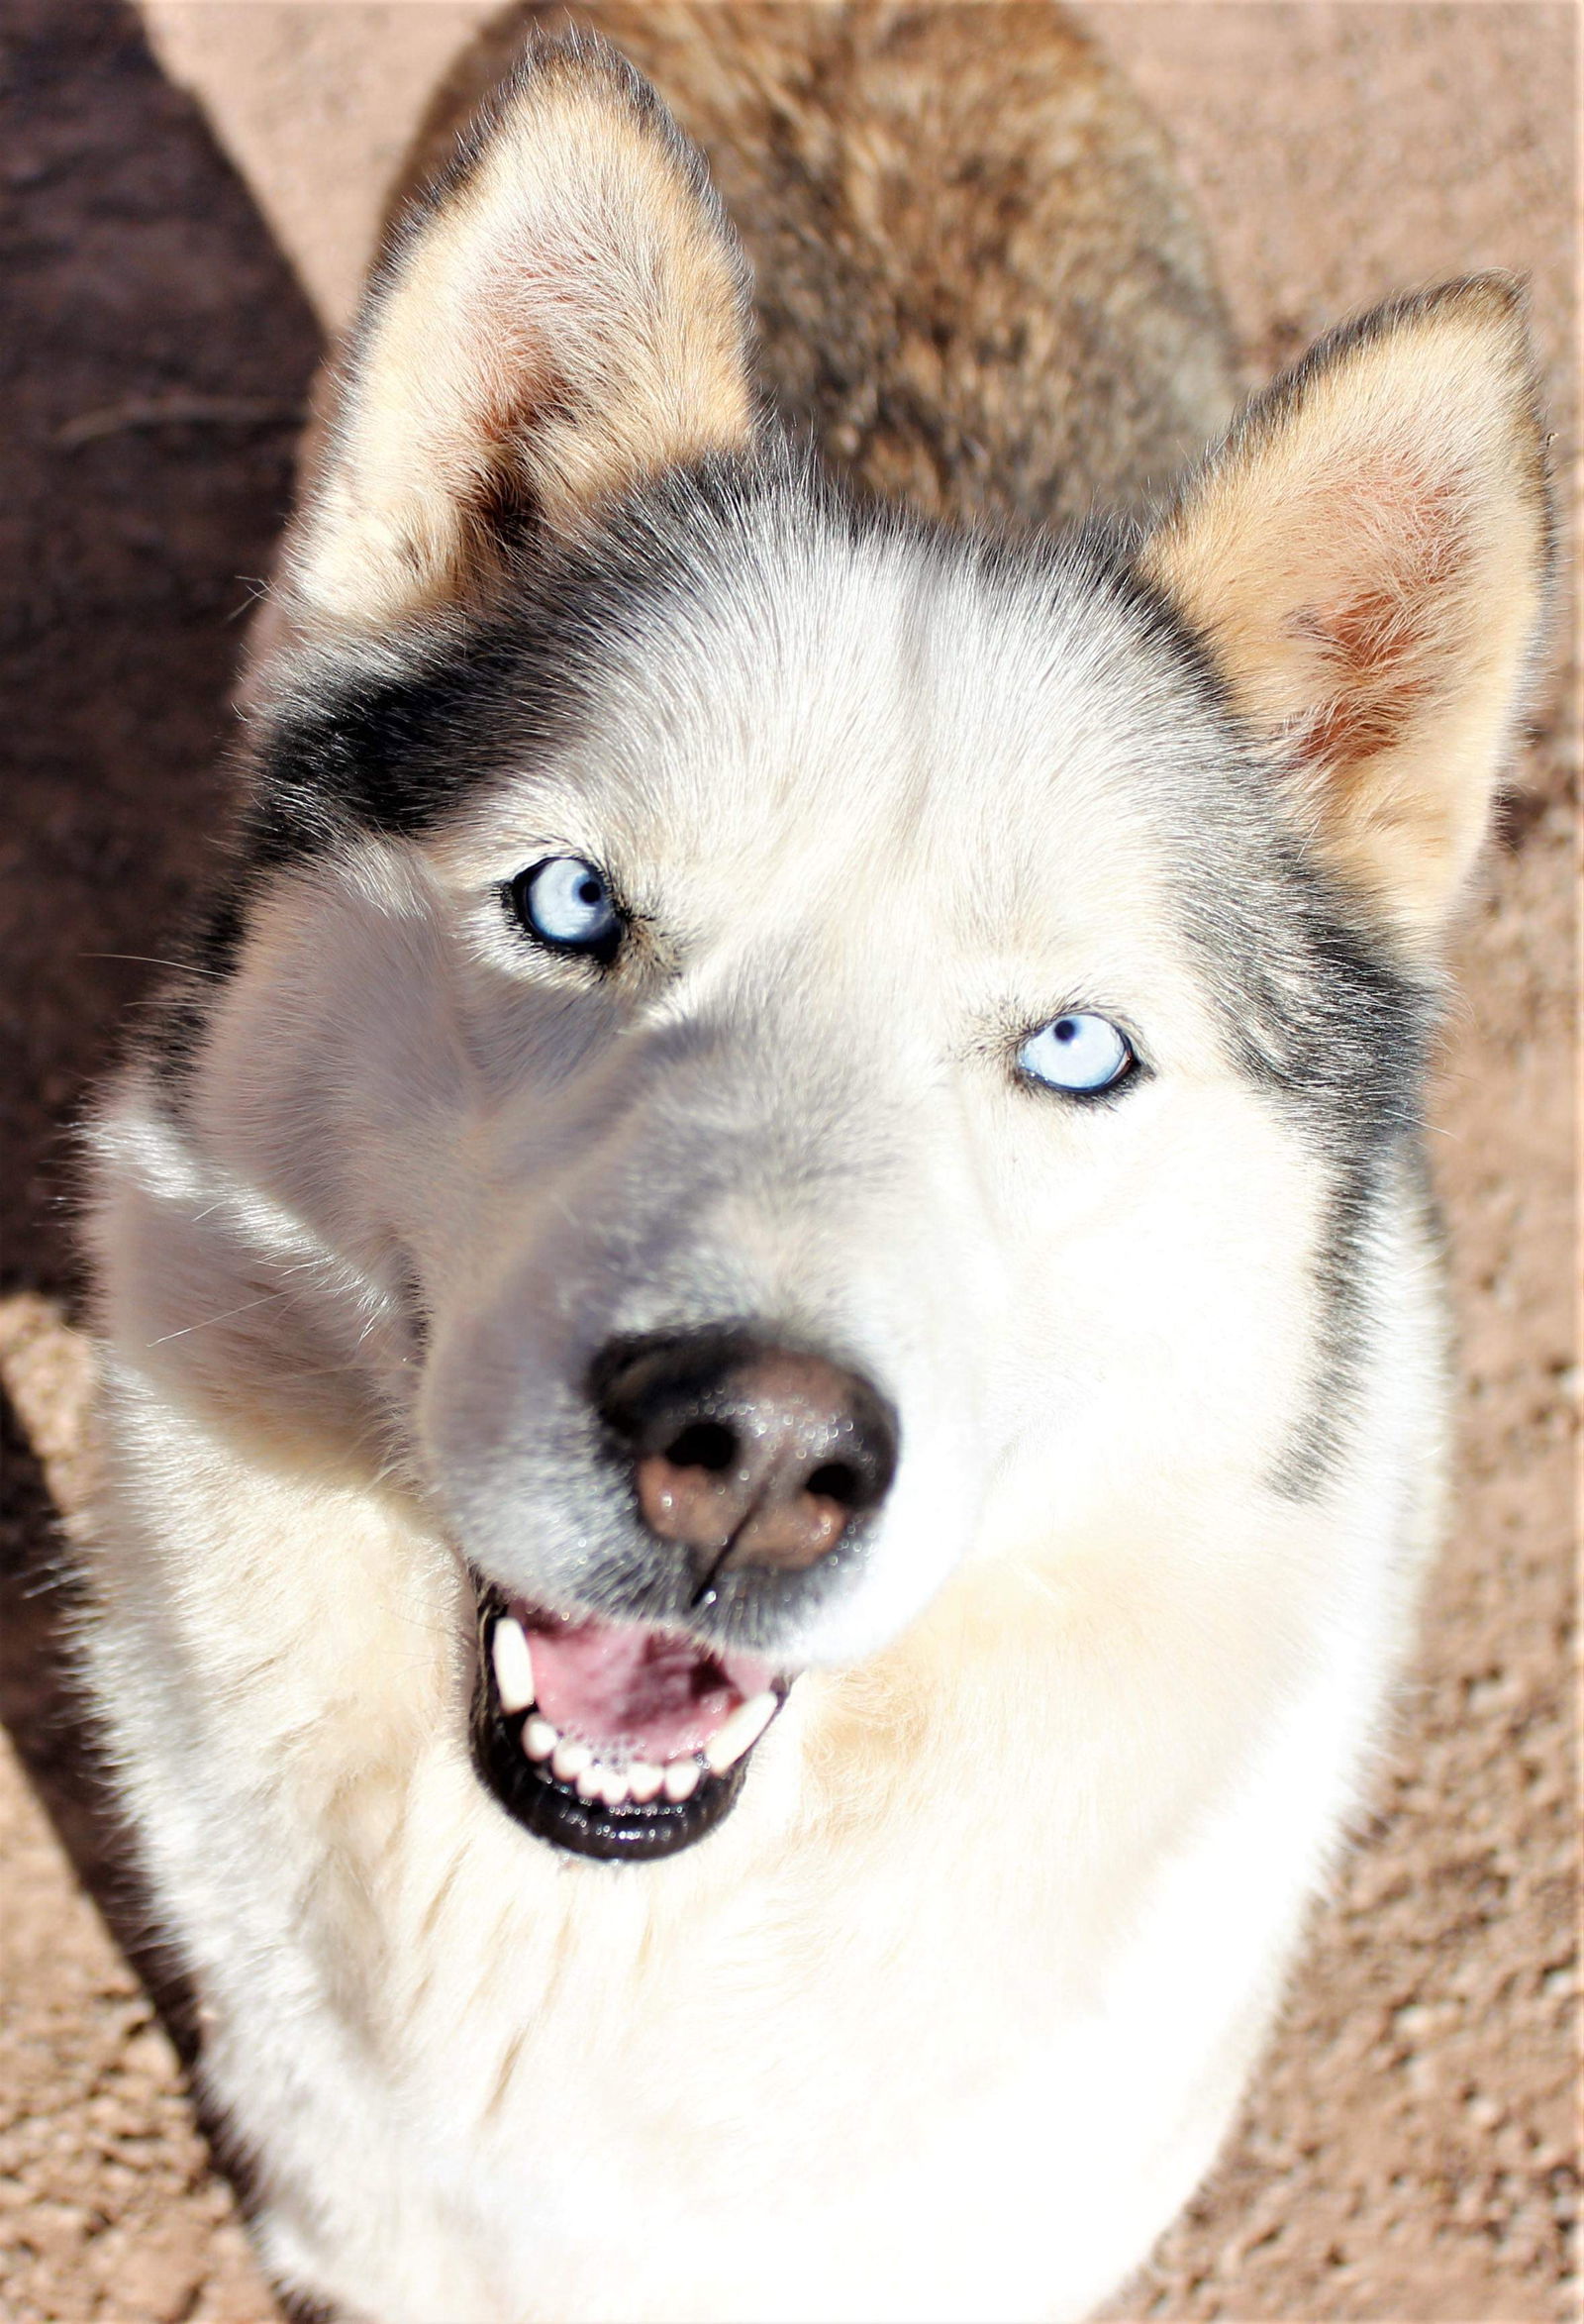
(791, 699)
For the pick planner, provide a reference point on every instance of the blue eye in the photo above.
(566, 904)
(1082, 1053)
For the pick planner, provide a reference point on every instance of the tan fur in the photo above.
(978, 277)
(1364, 558)
(479, 378)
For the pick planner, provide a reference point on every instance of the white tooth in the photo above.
(614, 1788)
(570, 1759)
(643, 1780)
(540, 1739)
(514, 1665)
(681, 1779)
(740, 1732)
(591, 1781)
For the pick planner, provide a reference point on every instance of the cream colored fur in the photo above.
(952, 2014)
(482, 371)
(1368, 563)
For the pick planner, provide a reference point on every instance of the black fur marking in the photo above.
(1321, 1014)
(1341, 1268)
(392, 747)
(391, 744)
(1339, 1032)
(1318, 1010)
(389, 754)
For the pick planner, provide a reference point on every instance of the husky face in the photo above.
(869, 813)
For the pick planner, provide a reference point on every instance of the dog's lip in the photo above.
(601, 1794)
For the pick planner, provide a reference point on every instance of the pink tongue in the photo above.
(610, 1682)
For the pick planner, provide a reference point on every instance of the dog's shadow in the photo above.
(160, 351)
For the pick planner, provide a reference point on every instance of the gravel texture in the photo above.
(1409, 2148)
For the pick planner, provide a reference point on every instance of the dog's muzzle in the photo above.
(753, 1465)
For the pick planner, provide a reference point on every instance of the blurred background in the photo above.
(188, 193)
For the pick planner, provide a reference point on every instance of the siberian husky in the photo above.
(773, 1358)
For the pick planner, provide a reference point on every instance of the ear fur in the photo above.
(565, 311)
(1365, 558)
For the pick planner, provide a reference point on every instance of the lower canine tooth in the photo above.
(514, 1665)
(643, 1780)
(681, 1779)
(540, 1739)
(570, 1759)
(739, 1733)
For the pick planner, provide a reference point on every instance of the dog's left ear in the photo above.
(1365, 560)
(564, 313)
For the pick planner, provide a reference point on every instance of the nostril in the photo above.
(703, 1444)
(837, 1482)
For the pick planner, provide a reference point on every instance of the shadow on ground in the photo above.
(138, 283)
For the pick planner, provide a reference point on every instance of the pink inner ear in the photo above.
(1399, 549)
(1371, 651)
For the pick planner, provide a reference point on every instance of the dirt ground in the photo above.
(1409, 2150)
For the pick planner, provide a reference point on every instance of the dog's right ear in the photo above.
(565, 312)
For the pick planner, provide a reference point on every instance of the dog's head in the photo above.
(807, 1052)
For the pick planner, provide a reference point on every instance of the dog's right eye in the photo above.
(565, 904)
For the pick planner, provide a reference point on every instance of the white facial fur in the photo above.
(881, 817)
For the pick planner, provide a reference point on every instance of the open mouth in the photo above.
(613, 1739)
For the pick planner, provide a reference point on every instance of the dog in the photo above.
(773, 1362)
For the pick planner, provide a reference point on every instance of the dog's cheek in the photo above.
(1168, 1326)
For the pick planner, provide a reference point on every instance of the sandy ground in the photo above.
(1409, 2150)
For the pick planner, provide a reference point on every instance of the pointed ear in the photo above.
(1364, 558)
(563, 313)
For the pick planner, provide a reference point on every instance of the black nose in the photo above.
(748, 1455)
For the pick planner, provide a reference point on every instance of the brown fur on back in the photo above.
(978, 277)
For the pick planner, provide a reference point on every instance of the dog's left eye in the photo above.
(1083, 1053)
(566, 904)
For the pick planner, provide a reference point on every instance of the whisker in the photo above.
(255, 591)
(262, 1300)
(148, 960)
